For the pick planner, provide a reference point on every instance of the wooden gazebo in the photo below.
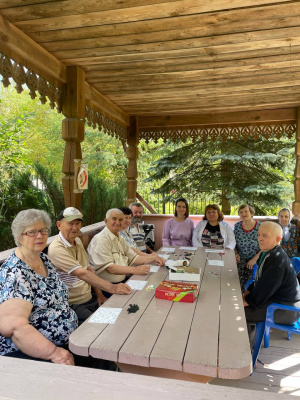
(154, 68)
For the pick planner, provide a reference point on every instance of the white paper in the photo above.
(105, 315)
(216, 262)
(168, 249)
(154, 268)
(165, 256)
(136, 285)
(215, 251)
(187, 248)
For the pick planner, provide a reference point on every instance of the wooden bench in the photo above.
(33, 380)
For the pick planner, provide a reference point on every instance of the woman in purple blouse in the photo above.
(178, 231)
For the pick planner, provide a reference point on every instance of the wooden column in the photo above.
(296, 203)
(73, 131)
(132, 155)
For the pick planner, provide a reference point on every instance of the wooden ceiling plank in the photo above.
(142, 13)
(178, 40)
(170, 68)
(284, 68)
(272, 17)
(178, 46)
(235, 83)
(207, 55)
(19, 12)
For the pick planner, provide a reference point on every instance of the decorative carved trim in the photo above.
(95, 118)
(235, 132)
(35, 83)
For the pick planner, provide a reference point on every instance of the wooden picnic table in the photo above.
(190, 341)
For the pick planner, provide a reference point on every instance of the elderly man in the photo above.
(71, 261)
(275, 281)
(111, 256)
(136, 228)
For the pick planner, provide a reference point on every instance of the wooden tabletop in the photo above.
(208, 337)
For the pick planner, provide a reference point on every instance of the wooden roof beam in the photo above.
(279, 115)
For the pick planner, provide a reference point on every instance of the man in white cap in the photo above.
(71, 261)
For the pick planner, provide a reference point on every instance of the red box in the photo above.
(175, 291)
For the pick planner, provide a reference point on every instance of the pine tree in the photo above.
(233, 172)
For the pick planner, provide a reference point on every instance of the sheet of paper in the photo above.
(187, 248)
(214, 251)
(168, 249)
(216, 262)
(105, 315)
(136, 285)
(165, 256)
(154, 268)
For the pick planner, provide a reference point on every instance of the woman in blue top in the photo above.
(35, 317)
(247, 248)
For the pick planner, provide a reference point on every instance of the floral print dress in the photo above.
(51, 314)
(247, 247)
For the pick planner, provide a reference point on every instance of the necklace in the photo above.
(40, 266)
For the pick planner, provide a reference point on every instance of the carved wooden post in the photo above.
(132, 155)
(73, 108)
(296, 203)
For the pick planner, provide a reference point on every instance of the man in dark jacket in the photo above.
(275, 282)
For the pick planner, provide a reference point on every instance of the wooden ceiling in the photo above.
(155, 57)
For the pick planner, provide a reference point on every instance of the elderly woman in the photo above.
(35, 317)
(125, 234)
(178, 231)
(290, 241)
(213, 232)
(247, 249)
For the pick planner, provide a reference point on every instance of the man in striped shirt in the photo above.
(136, 228)
(71, 261)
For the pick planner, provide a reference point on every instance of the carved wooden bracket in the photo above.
(235, 132)
(10, 69)
(96, 119)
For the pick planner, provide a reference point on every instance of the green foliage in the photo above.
(100, 197)
(21, 194)
(258, 172)
(53, 188)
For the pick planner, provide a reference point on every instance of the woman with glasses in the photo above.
(35, 317)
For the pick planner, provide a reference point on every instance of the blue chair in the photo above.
(249, 281)
(271, 324)
(296, 264)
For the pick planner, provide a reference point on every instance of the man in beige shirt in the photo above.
(71, 261)
(111, 256)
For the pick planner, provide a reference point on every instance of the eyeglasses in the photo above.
(35, 232)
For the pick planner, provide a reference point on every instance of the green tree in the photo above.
(258, 172)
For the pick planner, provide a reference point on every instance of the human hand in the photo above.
(142, 270)
(237, 257)
(159, 260)
(250, 263)
(121, 288)
(62, 356)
